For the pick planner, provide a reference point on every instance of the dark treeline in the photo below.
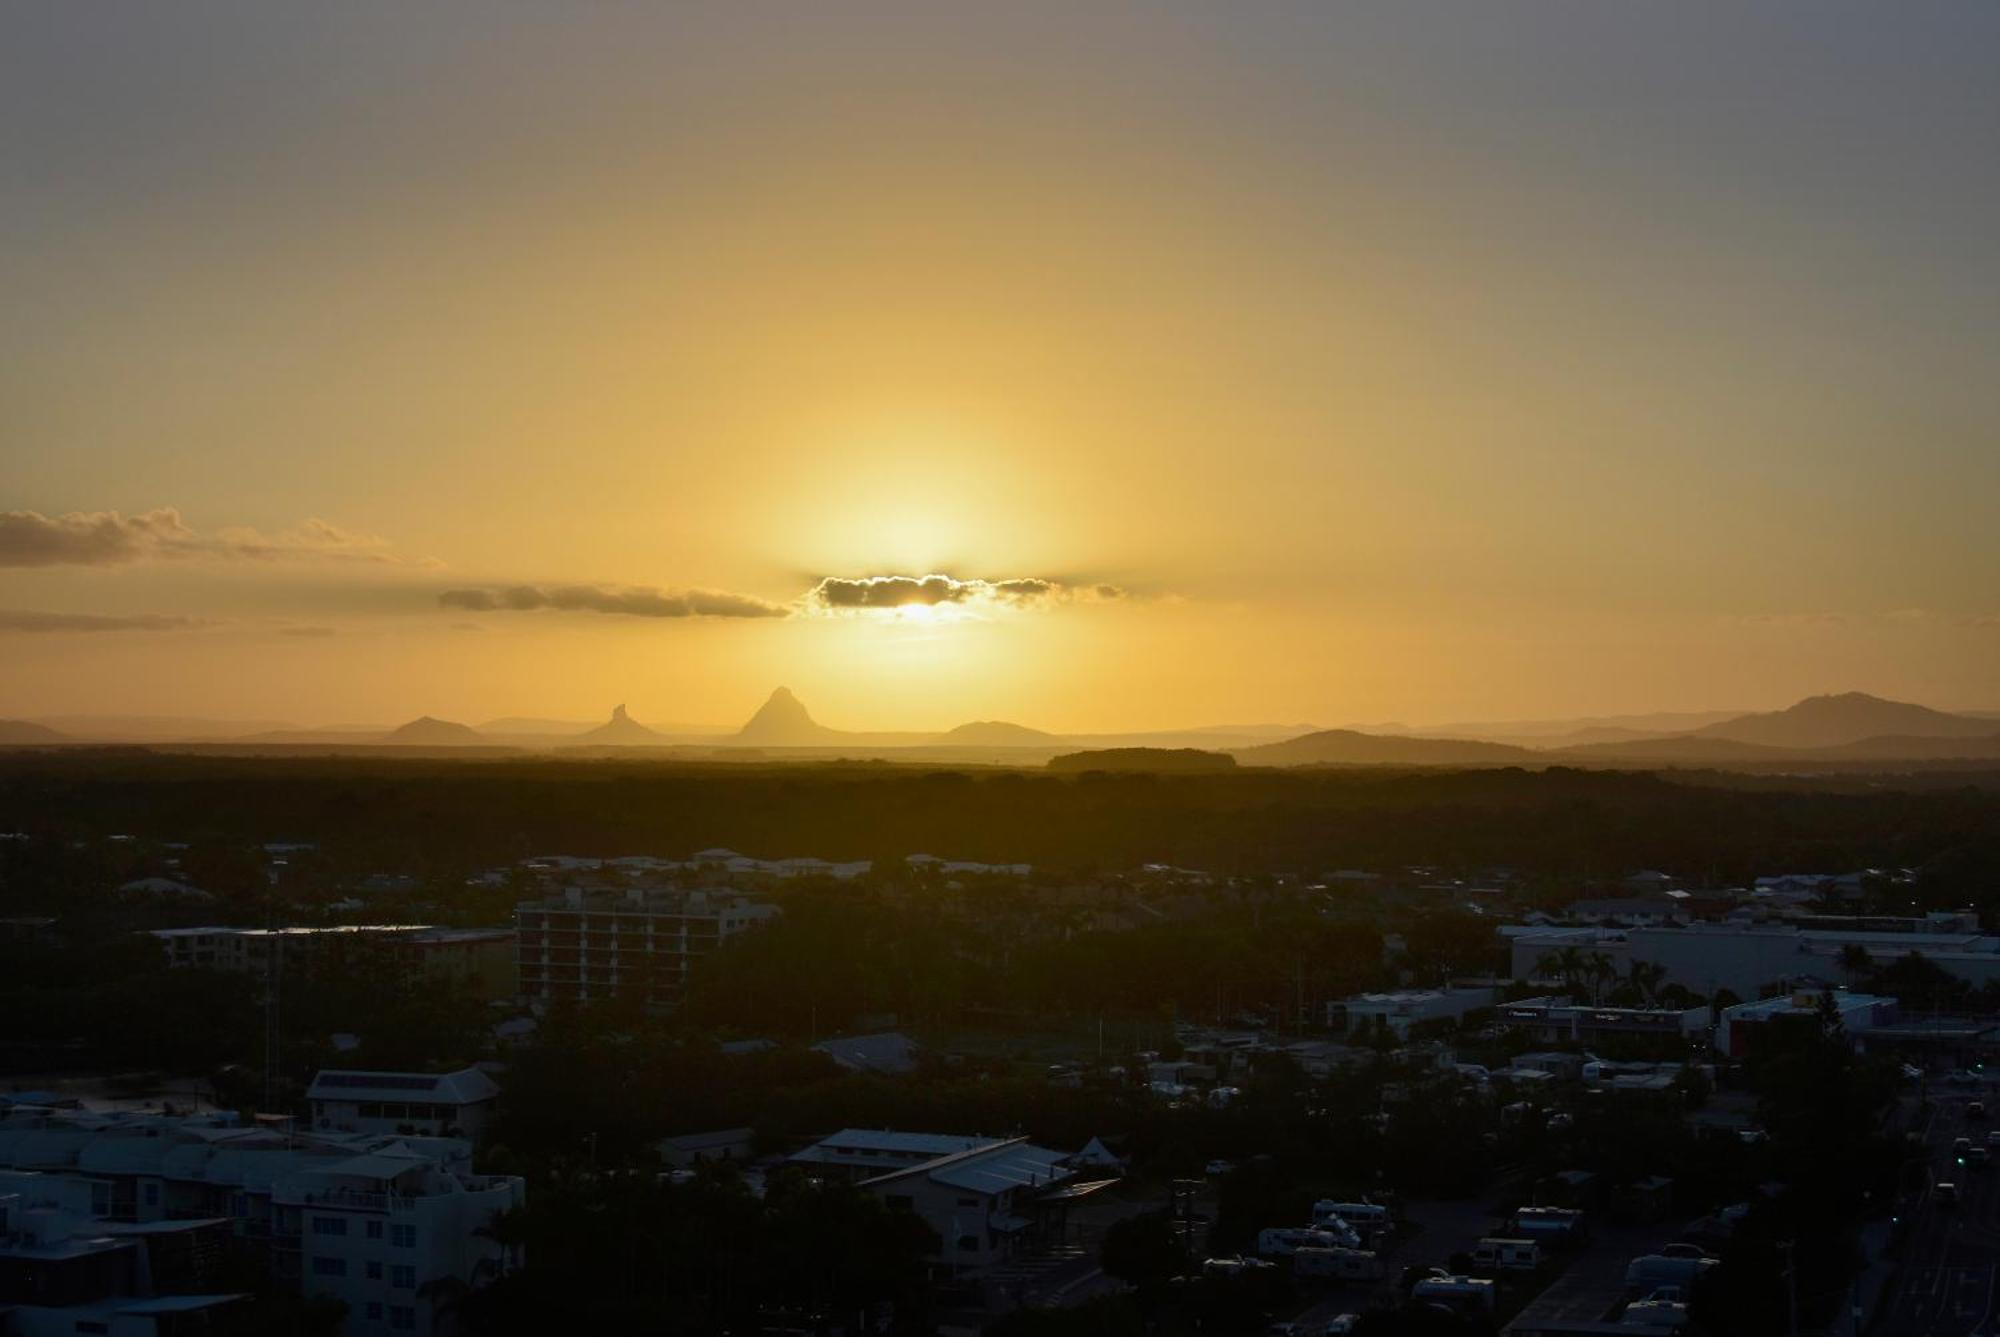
(455, 814)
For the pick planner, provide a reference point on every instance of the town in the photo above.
(281, 1084)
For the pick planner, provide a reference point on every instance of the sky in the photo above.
(1262, 362)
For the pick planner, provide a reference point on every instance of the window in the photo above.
(968, 1244)
(403, 1277)
(374, 1311)
(329, 1225)
(968, 1202)
(374, 1270)
(403, 1237)
(374, 1230)
(402, 1318)
(329, 1267)
(152, 1194)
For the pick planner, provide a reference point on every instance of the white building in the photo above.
(1405, 1008)
(981, 1202)
(393, 1226)
(1751, 959)
(447, 1104)
(62, 1273)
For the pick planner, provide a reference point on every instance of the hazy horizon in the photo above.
(1097, 370)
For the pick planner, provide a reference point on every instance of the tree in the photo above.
(1144, 1250)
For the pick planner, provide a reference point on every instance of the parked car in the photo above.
(1683, 1249)
(1946, 1193)
(1975, 1109)
(1978, 1158)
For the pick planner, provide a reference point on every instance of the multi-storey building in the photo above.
(393, 1226)
(588, 945)
(479, 959)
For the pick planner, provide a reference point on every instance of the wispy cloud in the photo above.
(837, 594)
(630, 601)
(24, 620)
(306, 631)
(108, 538)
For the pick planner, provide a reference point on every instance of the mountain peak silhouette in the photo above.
(783, 719)
(620, 729)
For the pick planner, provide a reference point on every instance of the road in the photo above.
(1949, 1283)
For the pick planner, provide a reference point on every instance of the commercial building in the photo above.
(1560, 1019)
(1750, 959)
(1405, 1008)
(590, 945)
(389, 1225)
(448, 1104)
(1858, 1013)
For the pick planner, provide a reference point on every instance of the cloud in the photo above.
(23, 620)
(306, 631)
(842, 594)
(108, 538)
(630, 601)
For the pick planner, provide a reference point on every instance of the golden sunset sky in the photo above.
(1322, 362)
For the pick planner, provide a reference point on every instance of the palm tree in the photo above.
(1646, 977)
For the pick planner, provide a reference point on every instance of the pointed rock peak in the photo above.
(781, 719)
(618, 713)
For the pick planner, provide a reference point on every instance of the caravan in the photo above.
(1508, 1255)
(1355, 1215)
(1337, 1265)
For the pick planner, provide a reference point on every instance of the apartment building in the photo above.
(480, 960)
(390, 1225)
(586, 945)
(62, 1273)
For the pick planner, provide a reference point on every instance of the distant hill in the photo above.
(24, 733)
(783, 721)
(428, 732)
(1347, 747)
(1177, 760)
(621, 730)
(997, 733)
(1851, 717)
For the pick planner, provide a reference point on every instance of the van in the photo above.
(1508, 1255)
(1337, 1264)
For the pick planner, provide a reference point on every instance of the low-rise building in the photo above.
(1405, 1008)
(444, 1104)
(863, 1153)
(984, 1202)
(1560, 1019)
(1858, 1013)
